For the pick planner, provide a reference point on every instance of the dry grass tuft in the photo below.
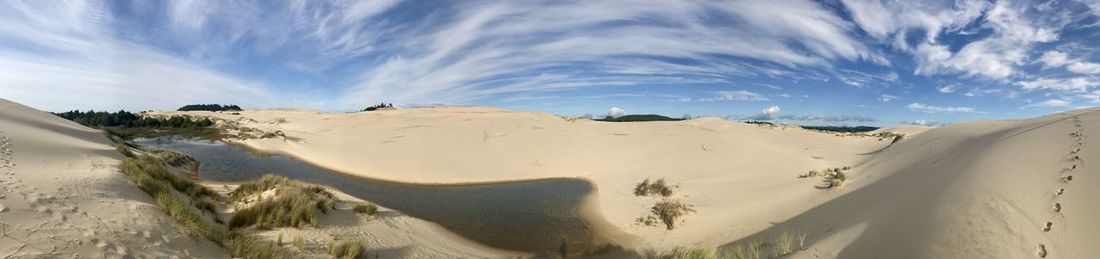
(293, 204)
(369, 209)
(659, 187)
(670, 210)
(346, 249)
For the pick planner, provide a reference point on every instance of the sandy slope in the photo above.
(739, 177)
(63, 196)
(983, 189)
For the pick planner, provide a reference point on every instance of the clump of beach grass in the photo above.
(369, 209)
(293, 203)
(669, 211)
(346, 249)
(659, 187)
(249, 248)
(783, 244)
(151, 177)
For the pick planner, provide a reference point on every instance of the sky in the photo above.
(846, 62)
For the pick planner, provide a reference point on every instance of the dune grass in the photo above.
(346, 249)
(659, 187)
(670, 210)
(152, 178)
(249, 248)
(293, 204)
(369, 209)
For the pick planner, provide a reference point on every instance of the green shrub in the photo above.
(294, 203)
(348, 249)
(369, 209)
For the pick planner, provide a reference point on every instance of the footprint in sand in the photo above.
(1042, 251)
(1057, 207)
(1060, 191)
(1067, 179)
(1046, 228)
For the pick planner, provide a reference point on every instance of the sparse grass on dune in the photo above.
(249, 248)
(659, 187)
(292, 204)
(369, 209)
(177, 159)
(670, 210)
(346, 249)
(152, 178)
(781, 246)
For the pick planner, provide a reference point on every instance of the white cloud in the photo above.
(734, 96)
(1048, 104)
(1054, 58)
(486, 47)
(1078, 84)
(616, 112)
(70, 60)
(995, 56)
(948, 88)
(1084, 68)
(920, 107)
(926, 123)
(887, 98)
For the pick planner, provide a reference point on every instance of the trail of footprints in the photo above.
(1066, 176)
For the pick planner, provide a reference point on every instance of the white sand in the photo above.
(64, 196)
(971, 190)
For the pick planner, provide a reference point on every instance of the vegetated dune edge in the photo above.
(977, 189)
(62, 195)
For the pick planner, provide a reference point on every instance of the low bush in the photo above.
(670, 210)
(346, 249)
(659, 187)
(369, 209)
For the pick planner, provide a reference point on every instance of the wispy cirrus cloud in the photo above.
(57, 56)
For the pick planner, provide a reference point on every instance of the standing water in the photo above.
(533, 216)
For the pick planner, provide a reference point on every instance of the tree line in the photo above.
(128, 119)
(379, 106)
(209, 107)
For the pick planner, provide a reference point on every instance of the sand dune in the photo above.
(62, 196)
(986, 189)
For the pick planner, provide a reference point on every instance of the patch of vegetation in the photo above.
(346, 249)
(842, 129)
(125, 151)
(659, 187)
(177, 159)
(369, 209)
(209, 107)
(292, 203)
(760, 123)
(130, 120)
(669, 211)
(249, 248)
(838, 179)
(383, 106)
(151, 177)
(639, 117)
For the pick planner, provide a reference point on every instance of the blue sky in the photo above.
(842, 62)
